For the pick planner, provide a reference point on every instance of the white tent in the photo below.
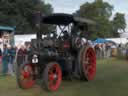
(118, 40)
(21, 39)
(124, 35)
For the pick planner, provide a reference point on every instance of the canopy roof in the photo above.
(4, 28)
(64, 19)
(101, 40)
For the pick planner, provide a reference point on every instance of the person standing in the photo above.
(108, 50)
(103, 50)
(98, 50)
(11, 55)
(5, 60)
(0, 60)
(21, 55)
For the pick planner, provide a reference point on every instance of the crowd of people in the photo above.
(104, 50)
(8, 57)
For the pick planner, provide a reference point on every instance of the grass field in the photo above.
(111, 80)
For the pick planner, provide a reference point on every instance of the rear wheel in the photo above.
(87, 63)
(52, 76)
(25, 77)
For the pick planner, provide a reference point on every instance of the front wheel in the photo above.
(25, 77)
(52, 76)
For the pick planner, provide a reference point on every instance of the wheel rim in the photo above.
(89, 63)
(26, 76)
(54, 77)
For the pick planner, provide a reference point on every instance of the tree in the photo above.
(100, 12)
(119, 24)
(19, 13)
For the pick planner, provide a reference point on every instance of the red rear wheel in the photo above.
(87, 61)
(25, 76)
(52, 76)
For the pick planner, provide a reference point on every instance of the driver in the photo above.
(66, 35)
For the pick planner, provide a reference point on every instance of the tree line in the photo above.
(101, 12)
(19, 13)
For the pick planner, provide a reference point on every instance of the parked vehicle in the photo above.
(56, 57)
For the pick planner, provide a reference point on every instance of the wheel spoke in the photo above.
(51, 77)
(85, 62)
(50, 71)
(50, 84)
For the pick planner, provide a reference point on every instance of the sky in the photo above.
(70, 6)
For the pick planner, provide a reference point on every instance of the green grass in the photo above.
(111, 80)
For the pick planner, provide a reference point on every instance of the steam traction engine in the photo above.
(55, 57)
